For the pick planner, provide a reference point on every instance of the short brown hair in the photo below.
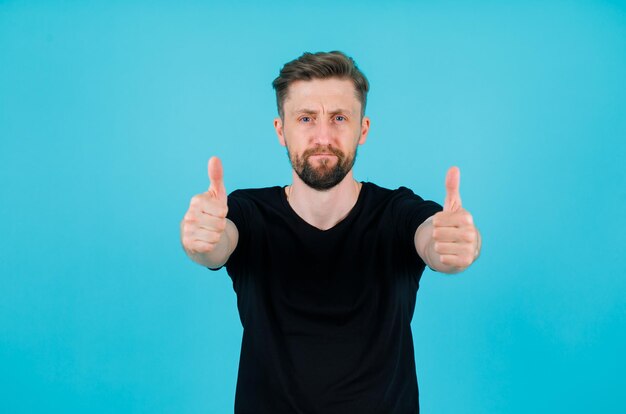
(320, 65)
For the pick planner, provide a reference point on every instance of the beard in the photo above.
(326, 175)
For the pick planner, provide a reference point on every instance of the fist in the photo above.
(455, 236)
(204, 223)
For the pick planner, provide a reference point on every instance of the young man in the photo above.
(326, 270)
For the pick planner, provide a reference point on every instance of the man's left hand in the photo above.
(455, 239)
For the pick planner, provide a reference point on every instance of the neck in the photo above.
(323, 209)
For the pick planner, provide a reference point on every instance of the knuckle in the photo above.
(468, 219)
(470, 236)
(189, 218)
(186, 242)
(214, 237)
(216, 209)
(437, 247)
(195, 201)
(185, 230)
(437, 218)
(220, 226)
(223, 211)
(468, 251)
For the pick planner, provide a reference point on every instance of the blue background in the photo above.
(110, 110)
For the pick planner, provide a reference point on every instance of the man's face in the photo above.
(321, 128)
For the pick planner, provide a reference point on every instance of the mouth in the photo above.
(324, 158)
(322, 154)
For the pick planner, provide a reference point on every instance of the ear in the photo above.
(278, 126)
(365, 128)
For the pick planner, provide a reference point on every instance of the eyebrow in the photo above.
(315, 112)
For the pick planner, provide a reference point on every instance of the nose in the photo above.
(323, 134)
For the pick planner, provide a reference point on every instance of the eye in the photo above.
(340, 118)
(305, 119)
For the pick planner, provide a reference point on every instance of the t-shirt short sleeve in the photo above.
(410, 211)
(239, 213)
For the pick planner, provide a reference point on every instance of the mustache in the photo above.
(320, 150)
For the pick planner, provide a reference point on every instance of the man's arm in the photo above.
(448, 241)
(208, 237)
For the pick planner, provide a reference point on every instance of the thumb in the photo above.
(216, 178)
(453, 197)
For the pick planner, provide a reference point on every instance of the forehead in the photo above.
(332, 91)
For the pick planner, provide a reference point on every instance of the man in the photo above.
(326, 270)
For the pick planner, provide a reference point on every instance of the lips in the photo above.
(328, 151)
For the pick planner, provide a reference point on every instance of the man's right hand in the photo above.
(204, 227)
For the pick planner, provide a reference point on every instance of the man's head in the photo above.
(321, 101)
(320, 65)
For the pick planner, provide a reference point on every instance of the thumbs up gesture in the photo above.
(456, 239)
(204, 224)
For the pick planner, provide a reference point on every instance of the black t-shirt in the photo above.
(326, 313)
